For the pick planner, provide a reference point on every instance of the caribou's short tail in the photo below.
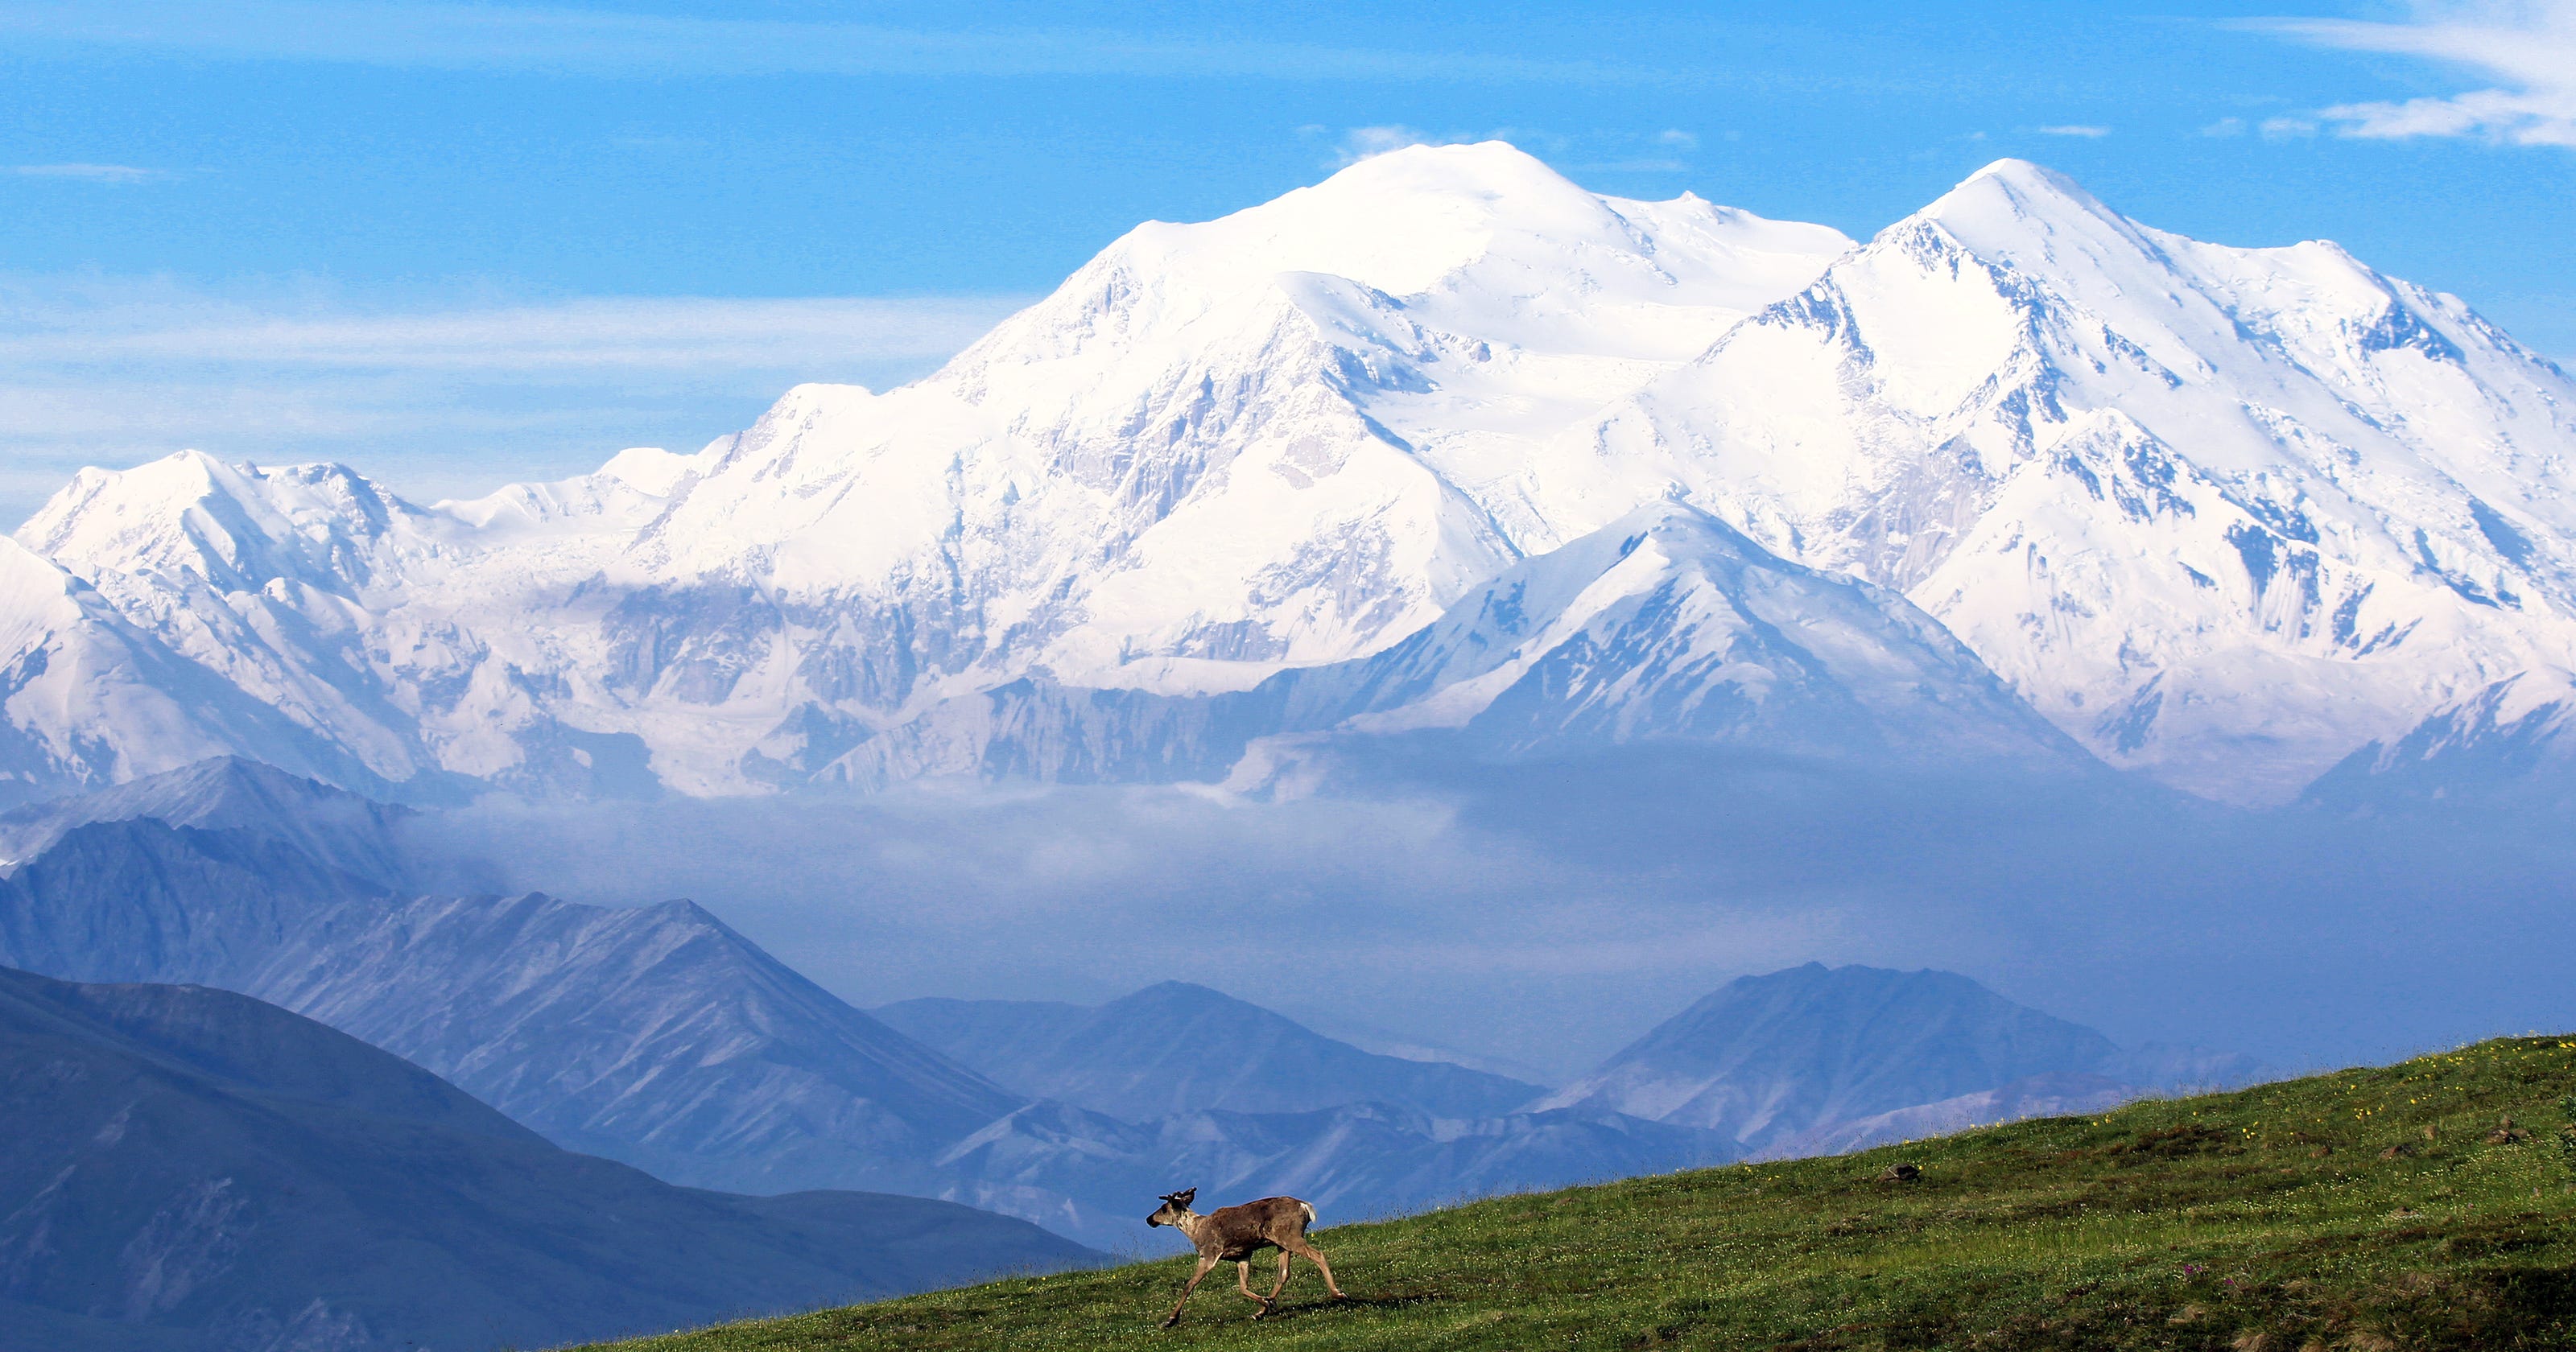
(1310, 1211)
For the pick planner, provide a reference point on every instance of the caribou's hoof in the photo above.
(1266, 1307)
(1170, 1320)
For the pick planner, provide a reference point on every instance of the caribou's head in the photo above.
(1175, 1206)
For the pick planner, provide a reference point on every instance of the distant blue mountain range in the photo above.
(659, 1037)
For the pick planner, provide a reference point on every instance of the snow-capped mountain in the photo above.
(2223, 515)
(2220, 513)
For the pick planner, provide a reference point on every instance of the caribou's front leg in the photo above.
(1206, 1266)
(1243, 1283)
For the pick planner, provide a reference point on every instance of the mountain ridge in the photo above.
(2222, 516)
(1175, 1047)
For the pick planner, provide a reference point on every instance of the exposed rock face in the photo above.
(2506, 747)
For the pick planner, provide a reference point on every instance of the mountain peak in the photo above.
(2025, 175)
(1493, 168)
(1182, 995)
(1397, 222)
(240, 525)
(2008, 200)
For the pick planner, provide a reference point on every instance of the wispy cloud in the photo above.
(439, 399)
(91, 173)
(2090, 133)
(454, 36)
(676, 334)
(1597, 152)
(1367, 143)
(2526, 49)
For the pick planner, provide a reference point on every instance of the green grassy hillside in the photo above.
(2369, 1210)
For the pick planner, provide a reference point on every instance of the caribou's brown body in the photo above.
(1233, 1234)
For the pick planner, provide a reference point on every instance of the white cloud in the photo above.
(1367, 143)
(2526, 50)
(90, 173)
(2089, 133)
(438, 399)
(2225, 126)
(1619, 152)
(590, 41)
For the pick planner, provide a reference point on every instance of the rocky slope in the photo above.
(2506, 747)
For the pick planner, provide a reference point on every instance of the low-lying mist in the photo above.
(1546, 913)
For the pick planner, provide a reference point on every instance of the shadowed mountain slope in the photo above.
(191, 1170)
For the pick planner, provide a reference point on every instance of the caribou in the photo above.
(1233, 1234)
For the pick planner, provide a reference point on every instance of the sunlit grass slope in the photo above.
(2372, 1210)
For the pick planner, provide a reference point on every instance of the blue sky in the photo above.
(453, 244)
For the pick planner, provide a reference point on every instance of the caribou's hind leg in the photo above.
(1315, 1256)
(1282, 1284)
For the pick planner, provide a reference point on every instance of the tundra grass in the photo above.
(2370, 1209)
